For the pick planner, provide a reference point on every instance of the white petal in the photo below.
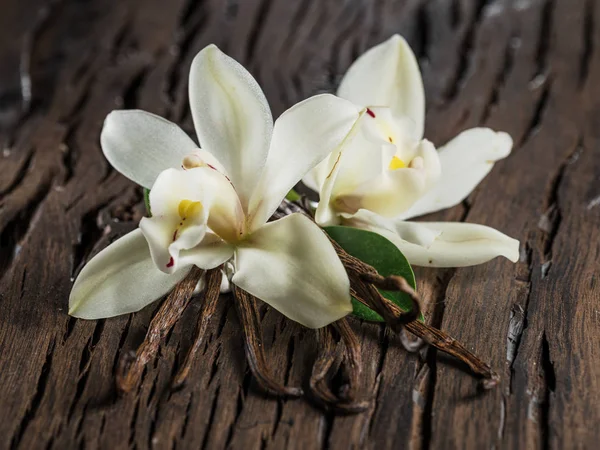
(141, 145)
(210, 253)
(465, 161)
(326, 213)
(120, 279)
(455, 244)
(303, 135)
(411, 232)
(362, 160)
(388, 75)
(291, 265)
(315, 177)
(231, 115)
(349, 166)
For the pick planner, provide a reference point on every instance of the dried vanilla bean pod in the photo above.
(352, 359)
(442, 341)
(391, 312)
(288, 207)
(209, 306)
(327, 364)
(170, 311)
(250, 321)
(327, 359)
(433, 336)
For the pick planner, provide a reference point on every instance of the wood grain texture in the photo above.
(529, 67)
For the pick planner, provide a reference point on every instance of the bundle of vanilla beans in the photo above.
(339, 347)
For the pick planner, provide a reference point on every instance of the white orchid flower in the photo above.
(388, 173)
(210, 206)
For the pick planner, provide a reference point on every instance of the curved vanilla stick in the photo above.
(130, 368)
(209, 306)
(255, 355)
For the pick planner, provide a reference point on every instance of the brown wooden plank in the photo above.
(525, 66)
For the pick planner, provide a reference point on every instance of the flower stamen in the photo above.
(189, 208)
(192, 161)
(417, 163)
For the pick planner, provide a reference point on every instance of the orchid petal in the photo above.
(208, 254)
(465, 161)
(388, 75)
(303, 135)
(315, 177)
(232, 117)
(141, 145)
(120, 279)
(455, 244)
(326, 213)
(291, 265)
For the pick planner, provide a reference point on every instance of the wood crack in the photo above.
(258, 25)
(539, 113)
(193, 18)
(518, 318)
(549, 375)
(465, 51)
(552, 218)
(501, 77)
(436, 320)
(588, 41)
(37, 397)
(17, 229)
(544, 39)
(20, 174)
(421, 47)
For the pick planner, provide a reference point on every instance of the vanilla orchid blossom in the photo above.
(210, 206)
(387, 173)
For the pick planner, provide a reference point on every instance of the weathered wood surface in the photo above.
(530, 67)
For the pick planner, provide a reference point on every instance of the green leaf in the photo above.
(147, 201)
(293, 196)
(384, 256)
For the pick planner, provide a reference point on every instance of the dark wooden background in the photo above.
(529, 67)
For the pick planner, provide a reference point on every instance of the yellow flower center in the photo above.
(189, 208)
(396, 163)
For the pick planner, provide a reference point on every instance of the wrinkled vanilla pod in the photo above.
(333, 356)
(209, 306)
(352, 366)
(255, 354)
(327, 362)
(131, 367)
(363, 282)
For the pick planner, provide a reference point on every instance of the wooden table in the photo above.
(529, 67)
